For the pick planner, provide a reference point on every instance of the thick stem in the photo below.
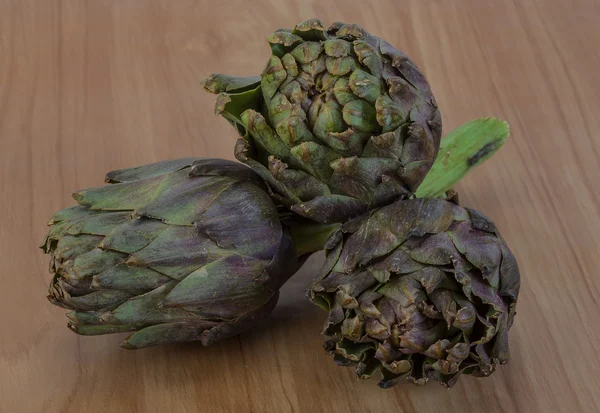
(462, 150)
(310, 236)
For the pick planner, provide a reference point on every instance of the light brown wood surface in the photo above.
(91, 86)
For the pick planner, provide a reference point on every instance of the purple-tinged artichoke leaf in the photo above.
(136, 280)
(70, 247)
(510, 280)
(436, 249)
(94, 262)
(149, 171)
(223, 287)
(480, 249)
(123, 196)
(71, 214)
(100, 224)
(132, 235)
(177, 252)
(330, 208)
(99, 300)
(167, 333)
(239, 219)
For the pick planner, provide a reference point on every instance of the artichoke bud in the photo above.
(351, 86)
(183, 250)
(439, 298)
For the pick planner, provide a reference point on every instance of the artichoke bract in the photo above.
(419, 289)
(183, 250)
(339, 122)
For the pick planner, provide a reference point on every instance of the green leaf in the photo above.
(462, 150)
(218, 83)
(310, 237)
(167, 333)
(148, 171)
(94, 330)
(232, 105)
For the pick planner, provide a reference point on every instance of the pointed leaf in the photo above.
(462, 150)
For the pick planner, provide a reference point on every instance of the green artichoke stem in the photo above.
(310, 237)
(462, 150)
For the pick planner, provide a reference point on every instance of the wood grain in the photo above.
(91, 86)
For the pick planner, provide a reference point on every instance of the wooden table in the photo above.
(91, 86)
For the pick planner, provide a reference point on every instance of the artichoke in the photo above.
(419, 289)
(339, 122)
(183, 250)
